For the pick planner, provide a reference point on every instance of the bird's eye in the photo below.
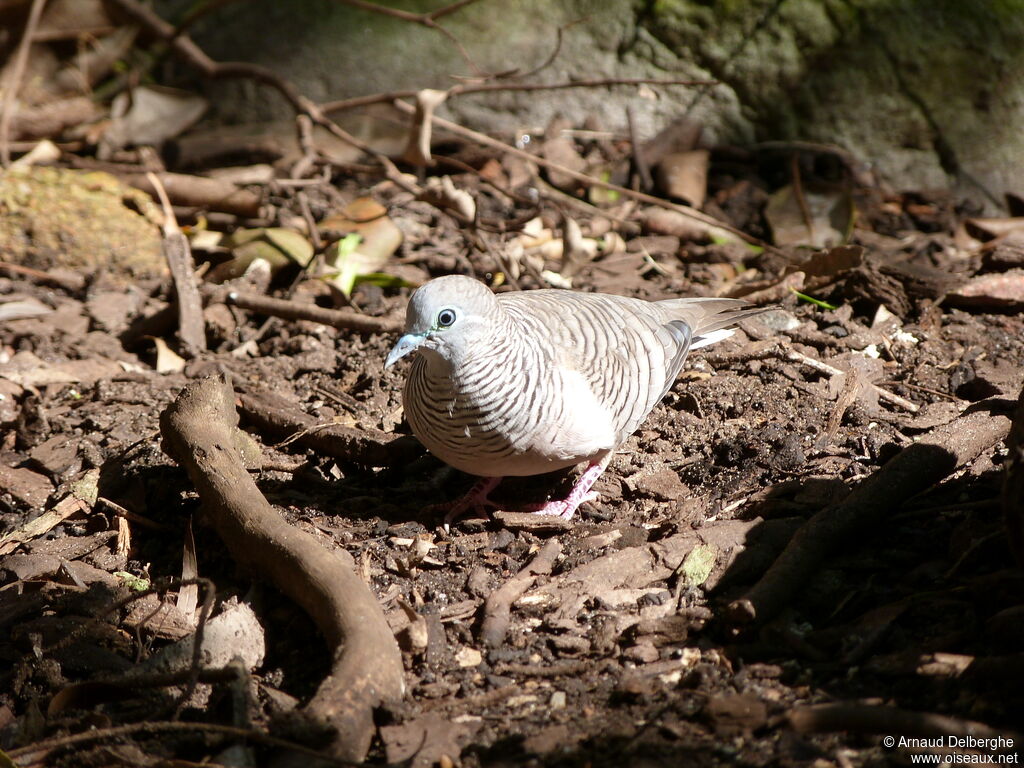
(445, 318)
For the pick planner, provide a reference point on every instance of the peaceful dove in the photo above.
(523, 383)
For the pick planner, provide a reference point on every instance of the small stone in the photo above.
(663, 484)
(468, 657)
(643, 652)
(30, 488)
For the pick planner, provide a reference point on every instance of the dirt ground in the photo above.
(627, 651)
(624, 652)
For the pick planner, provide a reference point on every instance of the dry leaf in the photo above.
(370, 239)
(441, 192)
(167, 360)
(1003, 290)
(818, 218)
(150, 115)
(684, 176)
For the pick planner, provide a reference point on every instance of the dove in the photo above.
(529, 382)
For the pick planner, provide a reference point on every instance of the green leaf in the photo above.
(384, 280)
(602, 195)
(698, 564)
(133, 582)
(720, 236)
(814, 301)
(277, 246)
(293, 244)
(343, 256)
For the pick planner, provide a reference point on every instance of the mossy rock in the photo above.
(929, 93)
(54, 217)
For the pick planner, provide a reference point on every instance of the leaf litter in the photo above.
(662, 625)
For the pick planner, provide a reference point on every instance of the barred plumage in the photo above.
(530, 382)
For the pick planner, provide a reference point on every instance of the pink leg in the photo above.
(580, 493)
(474, 500)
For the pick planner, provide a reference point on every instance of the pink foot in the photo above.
(580, 493)
(475, 500)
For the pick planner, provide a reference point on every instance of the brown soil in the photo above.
(920, 613)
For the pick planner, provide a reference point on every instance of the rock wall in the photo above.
(931, 92)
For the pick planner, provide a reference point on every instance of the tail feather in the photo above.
(707, 339)
(710, 319)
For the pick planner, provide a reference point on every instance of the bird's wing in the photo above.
(627, 355)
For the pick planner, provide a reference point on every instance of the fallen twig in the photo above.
(567, 668)
(916, 468)
(134, 517)
(498, 607)
(536, 524)
(275, 416)
(199, 192)
(36, 122)
(186, 49)
(163, 321)
(1013, 483)
(13, 84)
(466, 90)
(70, 282)
(487, 141)
(191, 325)
(40, 752)
(796, 357)
(852, 383)
(428, 20)
(37, 526)
(199, 430)
(643, 170)
(297, 310)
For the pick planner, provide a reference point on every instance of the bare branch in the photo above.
(583, 178)
(465, 90)
(428, 20)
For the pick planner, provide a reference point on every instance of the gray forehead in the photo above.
(464, 293)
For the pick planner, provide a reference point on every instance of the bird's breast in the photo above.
(509, 414)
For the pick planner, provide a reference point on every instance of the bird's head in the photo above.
(446, 317)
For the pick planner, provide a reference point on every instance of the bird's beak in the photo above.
(408, 343)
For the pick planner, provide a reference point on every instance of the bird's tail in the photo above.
(711, 320)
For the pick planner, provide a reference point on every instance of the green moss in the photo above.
(54, 217)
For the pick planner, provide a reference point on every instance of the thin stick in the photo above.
(14, 82)
(134, 517)
(466, 90)
(796, 357)
(801, 199)
(642, 169)
(71, 283)
(428, 20)
(191, 326)
(487, 141)
(194, 56)
(296, 310)
(28, 754)
(498, 607)
(276, 418)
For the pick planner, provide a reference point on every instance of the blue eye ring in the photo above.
(446, 318)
